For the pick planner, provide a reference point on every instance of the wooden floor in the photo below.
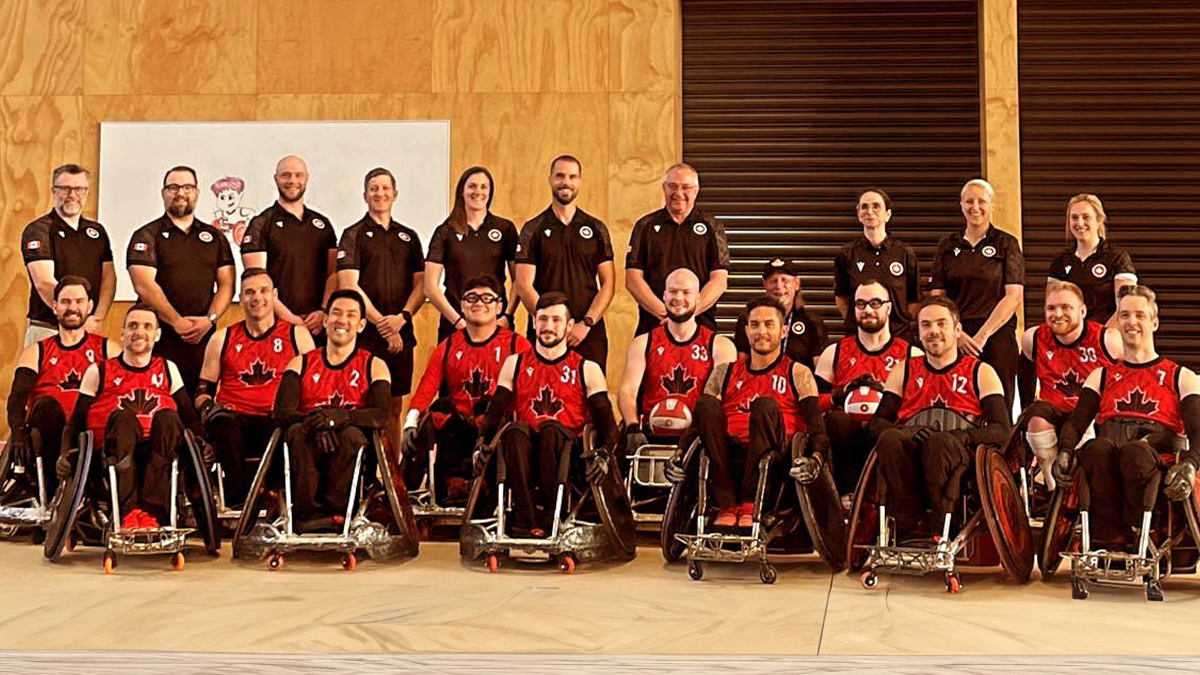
(435, 604)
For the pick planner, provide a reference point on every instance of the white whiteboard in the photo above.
(134, 156)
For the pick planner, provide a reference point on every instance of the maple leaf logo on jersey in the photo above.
(479, 385)
(1069, 385)
(678, 382)
(1136, 402)
(744, 406)
(938, 402)
(139, 401)
(258, 374)
(336, 401)
(545, 405)
(71, 382)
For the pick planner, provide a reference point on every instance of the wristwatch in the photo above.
(588, 321)
(408, 315)
(212, 318)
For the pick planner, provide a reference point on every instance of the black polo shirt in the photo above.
(893, 264)
(187, 262)
(81, 252)
(297, 254)
(974, 277)
(804, 336)
(1096, 276)
(659, 246)
(487, 250)
(386, 261)
(566, 256)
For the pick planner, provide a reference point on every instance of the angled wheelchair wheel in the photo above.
(864, 516)
(613, 504)
(251, 507)
(1057, 530)
(679, 516)
(1004, 513)
(67, 501)
(821, 507)
(397, 495)
(204, 505)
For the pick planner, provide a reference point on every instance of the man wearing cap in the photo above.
(804, 335)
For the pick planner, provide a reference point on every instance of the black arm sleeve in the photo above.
(206, 388)
(497, 409)
(1026, 380)
(24, 380)
(1077, 423)
(375, 414)
(287, 401)
(885, 414)
(187, 411)
(602, 416)
(1189, 410)
(78, 421)
(994, 430)
(810, 409)
(823, 386)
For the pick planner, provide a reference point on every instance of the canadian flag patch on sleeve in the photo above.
(33, 245)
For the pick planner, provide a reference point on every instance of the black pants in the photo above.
(400, 364)
(47, 418)
(593, 348)
(851, 444)
(320, 481)
(188, 357)
(1001, 353)
(143, 464)
(767, 433)
(521, 449)
(235, 437)
(1119, 482)
(911, 476)
(455, 437)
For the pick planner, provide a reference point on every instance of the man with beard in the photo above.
(1146, 409)
(175, 261)
(864, 359)
(565, 249)
(63, 243)
(328, 403)
(297, 247)
(1059, 355)
(923, 466)
(242, 368)
(677, 235)
(553, 392)
(803, 332)
(753, 406)
(672, 360)
(48, 375)
(136, 403)
(459, 379)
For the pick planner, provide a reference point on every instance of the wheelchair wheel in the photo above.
(679, 516)
(821, 507)
(67, 500)
(251, 506)
(864, 516)
(1057, 530)
(613, 504)
(397, 496)
(1004, 512)
(204, 506)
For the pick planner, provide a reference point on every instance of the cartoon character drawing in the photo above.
(230, 217)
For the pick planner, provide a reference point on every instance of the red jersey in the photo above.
(743, 384)
(551, 390)
(466, 371)
(1062, 369)
(145, 391)
(251, 367)
(323, 385)
(61, 368)
(1148, 391)
(953, 387)
(851, 360)
(675, 368)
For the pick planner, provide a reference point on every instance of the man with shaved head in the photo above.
(297, 246)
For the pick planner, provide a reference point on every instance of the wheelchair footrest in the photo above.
(718, 547)
(24, 516)
(149, 541)
(915, 560)
(1113, 566)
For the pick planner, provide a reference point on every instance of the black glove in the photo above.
(673, 470)
(408, 441)
(326, 419)
(1180, 479)
(480, 458)
(922, 434)
(1064, 469)
(210, 410)
(326, 442)
(208, 454)
(806, 469)
(634, 438)
(65, 466)
(21, 448)
(598, 465)
(963, 436)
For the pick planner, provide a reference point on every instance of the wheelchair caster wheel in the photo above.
(493, 563)
(566, 563)
(177, 562)
(868, 579)
(1153, 591)
(70, 544)
(110, 561)
(767, 574)
(1079, 589)
(695, 571)
(38, 536)
(953, 583)
(349, 562)
(275, 562)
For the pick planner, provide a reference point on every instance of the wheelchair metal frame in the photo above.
(31, 512)
(646, 471)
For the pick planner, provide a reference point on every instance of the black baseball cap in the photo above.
(780, 266)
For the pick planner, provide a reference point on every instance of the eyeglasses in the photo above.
(68, 189)
(175, 189)
(485, 298)
(874, 303)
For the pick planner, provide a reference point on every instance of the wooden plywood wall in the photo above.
(520, 80)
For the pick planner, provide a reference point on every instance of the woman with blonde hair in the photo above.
(1090, 262)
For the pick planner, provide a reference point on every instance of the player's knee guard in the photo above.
(1044, 445)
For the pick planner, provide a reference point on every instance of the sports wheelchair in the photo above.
(804, 518)
(592, 521)
(378, 516)
(23, 500)
(995, 526)
(86, 509)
